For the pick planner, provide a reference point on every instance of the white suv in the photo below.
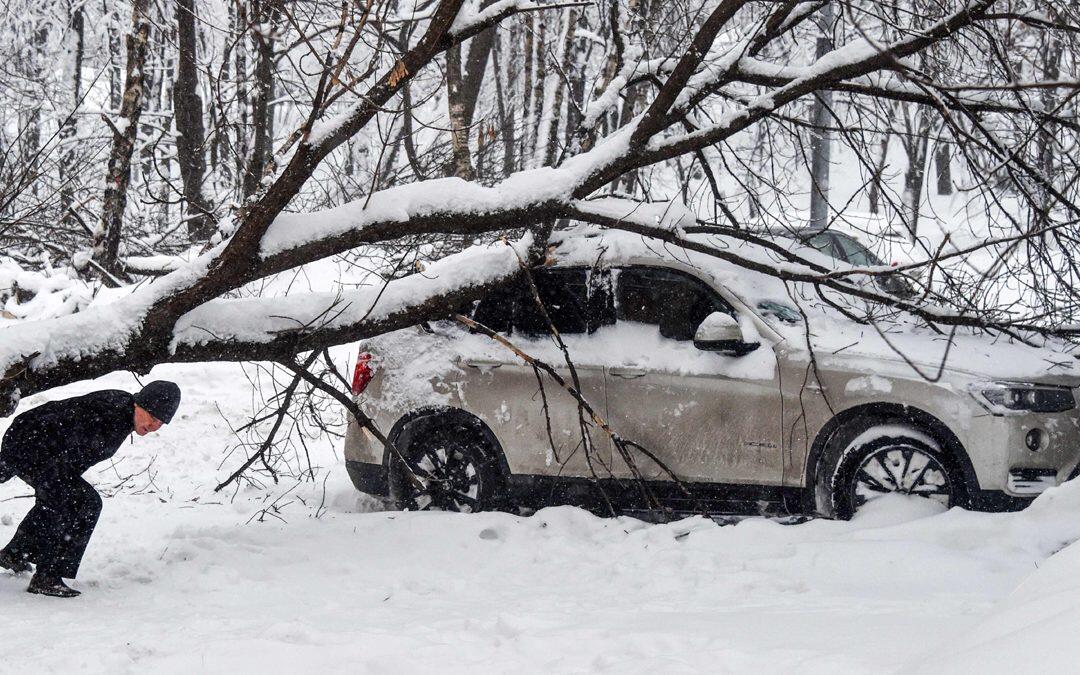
(710, 368)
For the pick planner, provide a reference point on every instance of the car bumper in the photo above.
(1004, 463)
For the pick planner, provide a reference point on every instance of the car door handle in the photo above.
(483, 365)
(627, 373)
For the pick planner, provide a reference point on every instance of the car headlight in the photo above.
(1010, 398)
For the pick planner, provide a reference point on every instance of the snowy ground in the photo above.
(177, 580)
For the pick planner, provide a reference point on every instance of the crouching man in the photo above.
(49, 448)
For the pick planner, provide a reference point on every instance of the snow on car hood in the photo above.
(919, 351)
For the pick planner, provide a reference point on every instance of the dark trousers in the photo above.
(54, 534)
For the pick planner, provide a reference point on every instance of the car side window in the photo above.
(675, 302)
(564, 294)
(577, 300)
(496, 309)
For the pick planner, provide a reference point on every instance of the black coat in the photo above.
(76, 433)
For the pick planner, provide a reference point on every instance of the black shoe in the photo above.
(15, 564)
(52, 586)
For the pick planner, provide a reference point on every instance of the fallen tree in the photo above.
(741, 53)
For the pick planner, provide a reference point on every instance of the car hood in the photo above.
(922, 353)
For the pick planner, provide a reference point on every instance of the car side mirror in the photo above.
(720, 332)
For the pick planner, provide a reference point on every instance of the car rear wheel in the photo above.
(873, 466)
(449, 470)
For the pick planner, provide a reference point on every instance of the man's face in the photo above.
(145, 423)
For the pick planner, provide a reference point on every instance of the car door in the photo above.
(506, 393)
(707, 416)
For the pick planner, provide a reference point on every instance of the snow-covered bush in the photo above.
(45, 294)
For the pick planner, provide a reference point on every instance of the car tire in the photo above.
(885, 459)
(450, 468)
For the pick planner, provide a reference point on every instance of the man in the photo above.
(49, 448)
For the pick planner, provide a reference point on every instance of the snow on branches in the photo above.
(734, 67)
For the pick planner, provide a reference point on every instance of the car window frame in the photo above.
(743, 309)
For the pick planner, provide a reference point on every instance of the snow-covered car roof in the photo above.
(908, 347)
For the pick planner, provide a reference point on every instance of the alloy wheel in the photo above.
(447, 479)
(901, 469)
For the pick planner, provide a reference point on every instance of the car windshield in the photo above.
(839, 246)
(823, 243)
(855, 253)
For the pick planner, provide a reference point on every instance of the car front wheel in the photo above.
(891, 463)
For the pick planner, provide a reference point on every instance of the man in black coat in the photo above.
(49, 448)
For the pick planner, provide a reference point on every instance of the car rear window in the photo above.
(577, 300)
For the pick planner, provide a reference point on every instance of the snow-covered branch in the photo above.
(889, 85)
(270, 328)
(855, 59)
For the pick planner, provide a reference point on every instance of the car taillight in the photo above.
(362, 374)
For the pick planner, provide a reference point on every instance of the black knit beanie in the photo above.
(160, 398)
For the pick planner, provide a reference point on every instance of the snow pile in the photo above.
(1038, 622)
(106, 326)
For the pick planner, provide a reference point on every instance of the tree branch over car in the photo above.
(718, 86)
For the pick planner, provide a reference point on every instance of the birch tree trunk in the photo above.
(464, 79)
(820, 138)
(1052, 51)
(540, 72)
(506, 112)
(239, 15)
(916, 142)
(68, 154)
(115, 57)
(578, 60)
(34, 72)
(118, 174)
(461, 161)
(563, 61)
